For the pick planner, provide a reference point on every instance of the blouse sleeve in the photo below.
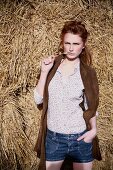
(86, 107)
(37, 97)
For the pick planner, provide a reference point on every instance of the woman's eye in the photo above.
(67, 43)
(76, 43)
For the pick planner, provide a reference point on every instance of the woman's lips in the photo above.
(72, 54)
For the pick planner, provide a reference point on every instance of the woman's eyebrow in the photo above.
(72, 43)
(76, 43)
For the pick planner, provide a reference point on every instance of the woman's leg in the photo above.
(82, 166)
(53, 165)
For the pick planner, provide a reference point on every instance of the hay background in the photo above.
(29, 31)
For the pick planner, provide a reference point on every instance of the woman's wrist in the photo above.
(94, 131)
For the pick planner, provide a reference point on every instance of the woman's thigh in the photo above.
(82, 166)
(53, 165)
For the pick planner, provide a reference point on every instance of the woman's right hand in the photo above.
(47, 63)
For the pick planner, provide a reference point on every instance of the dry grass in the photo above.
(30, 31)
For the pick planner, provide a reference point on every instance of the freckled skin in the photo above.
(72, 45)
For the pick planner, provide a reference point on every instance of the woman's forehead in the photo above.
(72, 37)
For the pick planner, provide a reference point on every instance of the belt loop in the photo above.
(54, 134)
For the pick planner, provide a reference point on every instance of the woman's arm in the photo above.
(86, 106)
(89, 135)
(38, 90)
(41, 83)
(92, 123)
(46, 65)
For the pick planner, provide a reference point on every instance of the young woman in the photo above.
(68, 90)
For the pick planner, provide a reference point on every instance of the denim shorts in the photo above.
(59, 146)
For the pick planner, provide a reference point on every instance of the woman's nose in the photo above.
(71, 48)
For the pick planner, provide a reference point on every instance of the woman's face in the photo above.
(72, 45)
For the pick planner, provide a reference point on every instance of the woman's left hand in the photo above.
(88, 136)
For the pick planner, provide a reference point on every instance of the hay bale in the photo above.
(30, 31)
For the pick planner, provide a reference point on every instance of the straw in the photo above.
(29, 32)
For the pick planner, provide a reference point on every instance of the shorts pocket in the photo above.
(85, 148)
(52, 145)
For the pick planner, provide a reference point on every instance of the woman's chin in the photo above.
(71, 56)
